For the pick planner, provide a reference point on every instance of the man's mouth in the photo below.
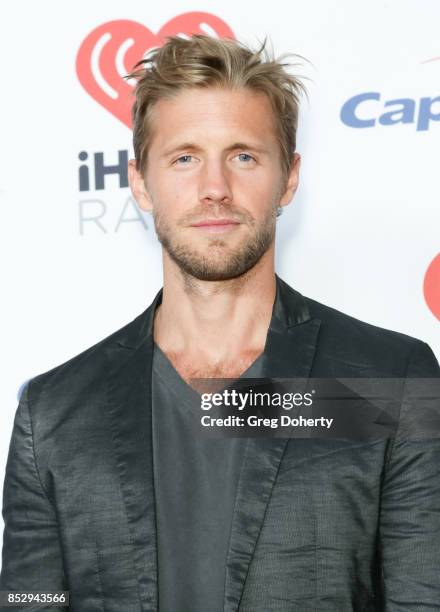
(216, 225)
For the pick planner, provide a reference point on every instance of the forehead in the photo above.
(214, 115)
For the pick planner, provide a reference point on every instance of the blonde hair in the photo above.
(204, 61)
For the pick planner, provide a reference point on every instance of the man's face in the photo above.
(214, 180)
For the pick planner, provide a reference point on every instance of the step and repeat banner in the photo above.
(79, 258)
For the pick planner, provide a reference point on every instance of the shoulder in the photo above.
(367, 348)
(83, 369)
(340, 322)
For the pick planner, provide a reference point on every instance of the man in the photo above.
(109, 495)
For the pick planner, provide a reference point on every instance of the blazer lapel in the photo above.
(129, 361)
(289, 352)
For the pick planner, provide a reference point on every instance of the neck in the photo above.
(216, 320)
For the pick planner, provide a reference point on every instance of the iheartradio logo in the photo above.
(111, 50)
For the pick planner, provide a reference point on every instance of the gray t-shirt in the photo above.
(195, 481)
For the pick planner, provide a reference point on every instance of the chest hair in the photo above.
(230, 368)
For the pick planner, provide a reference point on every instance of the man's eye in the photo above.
(183, 159)
(245, 157)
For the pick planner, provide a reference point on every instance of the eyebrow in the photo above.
(194, 147)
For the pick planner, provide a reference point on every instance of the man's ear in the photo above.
(292, 180)
(138, 188)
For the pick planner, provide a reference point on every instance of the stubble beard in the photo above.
(219, 262)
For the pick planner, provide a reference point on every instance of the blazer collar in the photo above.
(289, 352)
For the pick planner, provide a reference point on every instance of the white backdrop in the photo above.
(77, 265)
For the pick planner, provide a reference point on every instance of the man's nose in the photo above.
(214, 183)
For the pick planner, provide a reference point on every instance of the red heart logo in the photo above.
(431, 286)
(111, 50)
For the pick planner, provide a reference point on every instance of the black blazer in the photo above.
(328, 525)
